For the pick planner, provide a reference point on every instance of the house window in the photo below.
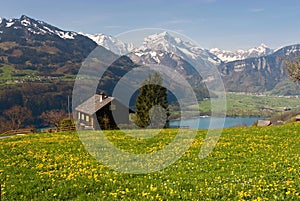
(82, 116)
(87, 118)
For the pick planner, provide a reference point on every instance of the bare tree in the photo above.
(17, 116)
(53, 117)
(3, 124)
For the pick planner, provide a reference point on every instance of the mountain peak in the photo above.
(163, 36)
(26, 21)
(23, 17)
(111, 43)
(164, 41)
(263, 45)
(164, 33)
(35, 27)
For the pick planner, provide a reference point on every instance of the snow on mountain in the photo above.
(292, 49)
(35, 27)
(157, 48)
(165, 42)
(228, 56)
(157, 45)
(111, 43)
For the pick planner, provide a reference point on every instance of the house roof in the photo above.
(93, 104)
(263, 123)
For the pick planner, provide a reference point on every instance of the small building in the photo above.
(264, 123)
(298, 118)
(102, 112)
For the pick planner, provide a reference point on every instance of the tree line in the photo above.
(18, 117)
(35, 98)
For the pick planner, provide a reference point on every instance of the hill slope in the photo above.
(33, 45)
(247, 164)
(261, 74)
(38, 64)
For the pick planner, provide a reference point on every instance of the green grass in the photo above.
(248, 105)
(7, 71)
(2, 135)
(247, 164)
(10, 75)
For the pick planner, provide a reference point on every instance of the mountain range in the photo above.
(111, 43)
(39, 63)
(31, 48)
(262, 74)
(256, 70)
(165, 42)
(228, 56)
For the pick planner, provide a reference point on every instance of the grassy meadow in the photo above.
(247, 164)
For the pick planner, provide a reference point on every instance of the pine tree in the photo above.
(151, 104)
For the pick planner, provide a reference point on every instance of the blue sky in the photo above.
(227, 24)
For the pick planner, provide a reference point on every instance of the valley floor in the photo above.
(255, 105)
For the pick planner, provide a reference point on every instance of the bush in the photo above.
(66, 122)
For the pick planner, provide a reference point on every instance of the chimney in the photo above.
(102, 96)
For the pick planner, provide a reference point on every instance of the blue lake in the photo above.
(214, 122)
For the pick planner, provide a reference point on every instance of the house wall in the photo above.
(112, 114)
(120, 112)
(105, 119)
(108, 117)
(85, 119)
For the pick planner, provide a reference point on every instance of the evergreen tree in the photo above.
(151, 104)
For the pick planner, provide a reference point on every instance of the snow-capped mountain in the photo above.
(261, 74)
(41, 47)
(35, 27)
(160, 48)
(29, 44)
(182, 56)
(154, 47)
(111, 43)
(228, 56)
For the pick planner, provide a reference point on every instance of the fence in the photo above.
(20, 131)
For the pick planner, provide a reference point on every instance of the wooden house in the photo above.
(102, 112)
